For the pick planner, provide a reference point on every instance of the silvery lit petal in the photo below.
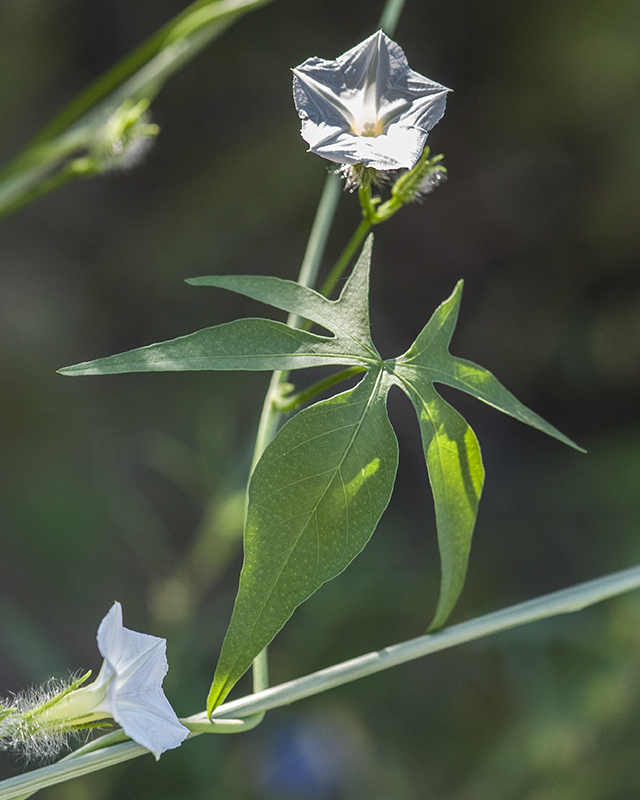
(134, 667)
(367, 107)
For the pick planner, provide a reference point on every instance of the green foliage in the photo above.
(315, 498)
(450, 446)
(322, 484)
(454, 463)
(261, 344)
(85, 139)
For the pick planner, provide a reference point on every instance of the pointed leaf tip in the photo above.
(315, 499)
(451, 450)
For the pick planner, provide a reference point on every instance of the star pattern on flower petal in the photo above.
(367, 107)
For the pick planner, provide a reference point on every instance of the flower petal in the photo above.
(148, 718)
(135, 666)
(398, 149)
(128, 651)
(367, 106)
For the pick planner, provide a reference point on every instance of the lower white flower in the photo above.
(128, 689)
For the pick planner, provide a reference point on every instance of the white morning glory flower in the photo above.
(132, 673)
(128, 689)
(367, 107)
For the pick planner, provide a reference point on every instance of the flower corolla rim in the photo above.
(134, 667)
(367, 106)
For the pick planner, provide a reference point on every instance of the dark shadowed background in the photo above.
(131, 487)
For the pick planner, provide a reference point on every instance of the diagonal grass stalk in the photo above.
(243, 710)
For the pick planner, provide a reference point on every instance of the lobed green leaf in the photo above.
(322, 484)
(347, 317)
(454, 463)
(245, 344)
(315, 499)
(430, 361)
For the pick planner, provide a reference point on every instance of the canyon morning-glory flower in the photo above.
(367, 107)
(132, 673)
(128, 689)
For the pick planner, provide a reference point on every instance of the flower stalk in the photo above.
(410, 186)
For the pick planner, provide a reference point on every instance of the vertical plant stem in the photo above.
(318, 237)
(308, 274)
(345, 257)
(390, 16)
(270, 416)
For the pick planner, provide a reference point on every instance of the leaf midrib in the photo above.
(426, 406)
(311, 514)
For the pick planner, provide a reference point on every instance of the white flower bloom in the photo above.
(128, 688)
(367, 107)
(133, 670)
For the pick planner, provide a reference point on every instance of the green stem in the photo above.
(367, 203)
(565, 601)
(345, 257)
(260, 672)
(372, 214)
(390, 16)
(271, 415)
(206, 18)
(318, 237)
(288, 403)
(140, 75)
(33, 173)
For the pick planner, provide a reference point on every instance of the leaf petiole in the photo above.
(285, 402)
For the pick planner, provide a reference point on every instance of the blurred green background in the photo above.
(131, 487)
